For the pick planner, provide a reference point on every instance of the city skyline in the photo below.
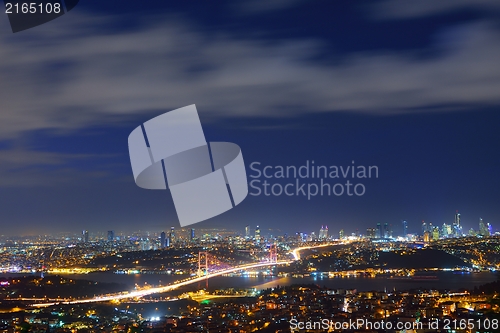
(378, 230)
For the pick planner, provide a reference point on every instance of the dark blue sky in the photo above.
(411, 89)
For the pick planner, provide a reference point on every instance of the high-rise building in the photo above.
(387, 231)
(163, 239)
(111, 235)
(171, 236)
(457, 227)
(371, 233)
(85, 237)
(483, 228)
(341, 234)
(405, 228)
(424, 227)
(378, 232)
(323, 232)
(247, 231)
(192, 236)
(446, 230)
(435, 233)
(145, 244)
(257, 233)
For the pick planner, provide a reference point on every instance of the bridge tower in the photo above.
(273, 253)
(203, 265)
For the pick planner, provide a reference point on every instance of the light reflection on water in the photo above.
(447, 280)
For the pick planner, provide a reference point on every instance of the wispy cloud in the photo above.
(259, 6)
(23, 167)
(73, 72)
(397, 9)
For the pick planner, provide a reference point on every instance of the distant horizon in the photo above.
(396, 231)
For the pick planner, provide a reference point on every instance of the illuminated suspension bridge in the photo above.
(206, 262)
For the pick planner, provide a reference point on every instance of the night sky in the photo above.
(412, 87)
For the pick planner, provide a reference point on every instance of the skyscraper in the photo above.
(341, 233)
(163, 238)
(427, 236)
(171, 237)
(446, 230)
(111, 235)
(457, 228)
(85, 236)
(192, 236)
(325, 232)
(378, 232)
(424, 227)
(483, 228)
(257, 233)
(435, 233)
(321, 232)
(387, 231)
(371, 233)
(247, 231)
(405, 228)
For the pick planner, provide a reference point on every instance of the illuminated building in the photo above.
(405, 228)
(483, 229)
(387, 231)
(85, 237)
(257, 233)
(171, 236)
(446, 230)
(192, 236)
(371, 233)
(457, 228)
(111, 235)
(163, 238)
(435, 233)
(379, 233)
(424, 227)
(247, 231)
(323, 232)
(341, 233)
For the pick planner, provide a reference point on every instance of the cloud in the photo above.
(74, 72)
(259, 6)
(397, 9)
(21, 167)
